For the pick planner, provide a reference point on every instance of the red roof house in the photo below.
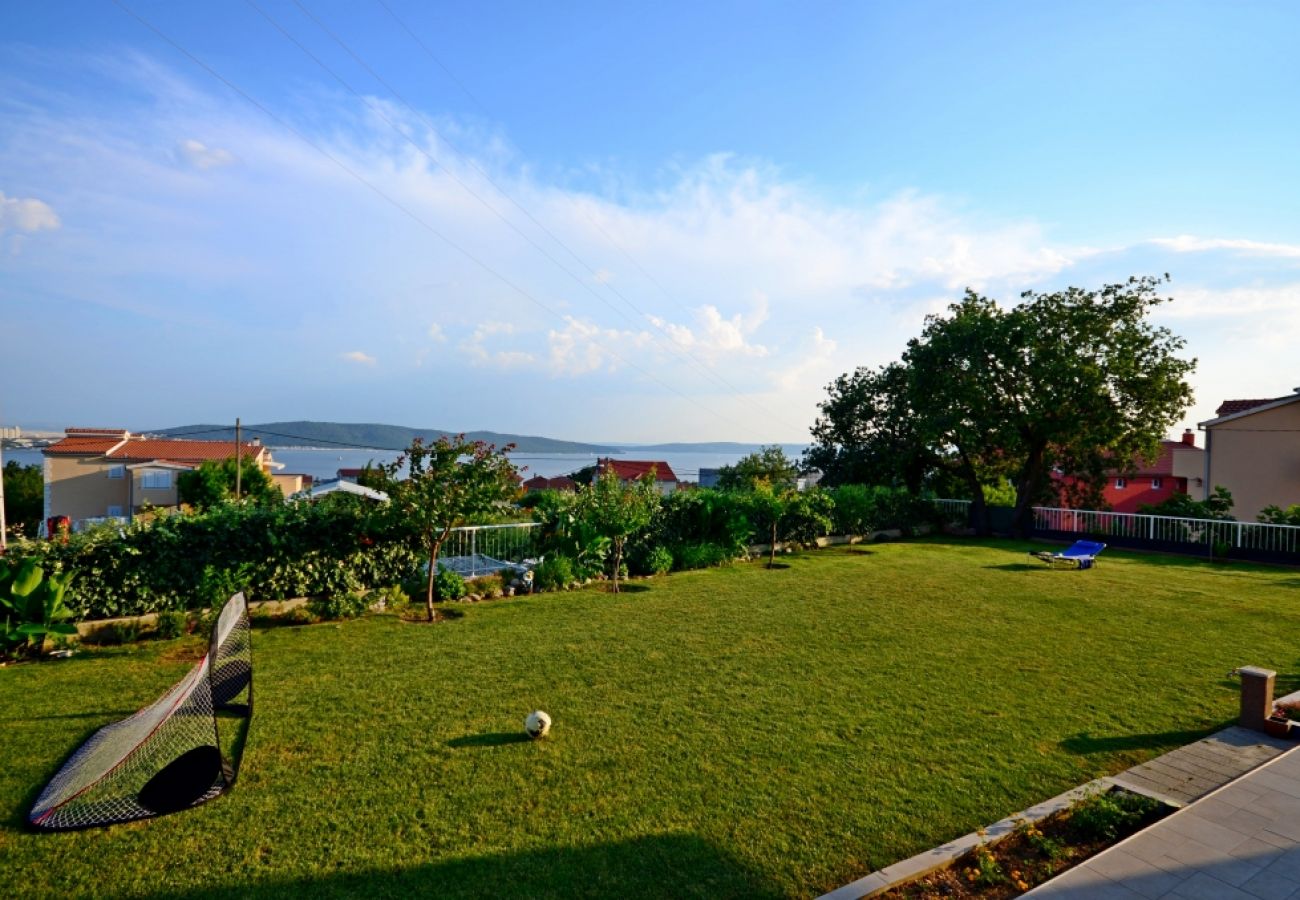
(634, 469)
(1180, 465)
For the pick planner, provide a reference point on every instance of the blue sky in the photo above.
(608, 222)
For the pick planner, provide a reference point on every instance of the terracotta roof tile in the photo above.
(632, 469)
(181, 451)
(93, 446)
(1232, 407)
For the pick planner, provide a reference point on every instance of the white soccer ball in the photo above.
(537, 724)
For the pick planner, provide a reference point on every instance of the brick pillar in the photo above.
(1256, 696)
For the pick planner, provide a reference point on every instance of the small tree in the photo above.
(855, 510)
(617, 511)
(449, 482)
(213, 483)
(24, 496)
(769, 465)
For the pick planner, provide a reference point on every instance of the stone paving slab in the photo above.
(1189, 773)
(1241, 842)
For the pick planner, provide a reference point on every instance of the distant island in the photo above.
(370, 436)
(398, 437)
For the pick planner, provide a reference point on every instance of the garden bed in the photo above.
(1036, 852)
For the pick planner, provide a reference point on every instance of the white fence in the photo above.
(1170, 529)
(1254, 536)
(480, 549)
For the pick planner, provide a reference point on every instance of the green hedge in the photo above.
(281, 551)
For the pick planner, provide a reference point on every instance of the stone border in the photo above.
(945, 855)
(91, 627)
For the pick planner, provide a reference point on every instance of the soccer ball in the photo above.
(537, 724)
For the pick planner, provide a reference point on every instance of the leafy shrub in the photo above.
(553, 573)
(486, 585)
(1276, 515)
(1104, 816)
(393, 597)
(655, 561)
(701, 555)
(449, 585)
(33, 608)
(338, 606)
(273, 553)
(171, 624)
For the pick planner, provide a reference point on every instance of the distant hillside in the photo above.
(391, 437)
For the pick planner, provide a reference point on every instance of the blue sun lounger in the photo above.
(1079, 555)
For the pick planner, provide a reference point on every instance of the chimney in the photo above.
(257, 441)
(1189, 437)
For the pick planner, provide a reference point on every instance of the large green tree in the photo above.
(213, 483)
(24, 490)
(447, 483)
(769, 465)
(1076, 381)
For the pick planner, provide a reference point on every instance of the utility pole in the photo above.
(238, 460)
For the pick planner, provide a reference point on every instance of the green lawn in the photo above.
(736, 732)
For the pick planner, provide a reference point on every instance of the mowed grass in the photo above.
(737, 732)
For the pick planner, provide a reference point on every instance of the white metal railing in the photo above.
(1171, 529)
(1206, 532)
(513, 542)
(957, 509)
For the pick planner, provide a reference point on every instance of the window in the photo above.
(1121, 483)
(115, 511)
(1157, 483)
(116, 471)
(159, 479)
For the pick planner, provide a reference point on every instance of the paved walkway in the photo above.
(1241, 842)
(1189, 773)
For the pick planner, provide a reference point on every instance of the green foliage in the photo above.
(567, 530)
(1000, 493)
(393, 597)
(194, 561)
(213, 483)
(701, 555)
(1076, 380)
(33, 606)
(1104, 816)
(1276, 515)
(1217, 506)
(1049, 848)
(768, 466)
(707, 516)
(615, 512)
(448, 482)
(338, 606)
(24, 490)
(655, 561)
(449, 584)
(486, 585)
(554, 573)
(171, 624)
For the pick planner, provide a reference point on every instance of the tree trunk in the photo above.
(618, 562)
(1027, 486)
(771, 550)
(979, 510)
(433, 575)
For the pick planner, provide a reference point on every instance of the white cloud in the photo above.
(26, 214)
(1186, 243)
(728, 265)
(200, 156)
(499, 355)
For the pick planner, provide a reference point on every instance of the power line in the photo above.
(671, 347)
(397, 204)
